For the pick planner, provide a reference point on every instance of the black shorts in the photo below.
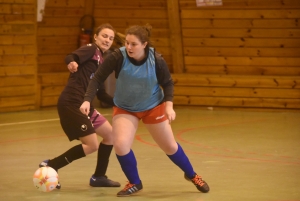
(74, 123)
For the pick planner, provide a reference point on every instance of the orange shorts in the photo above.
(153, 116)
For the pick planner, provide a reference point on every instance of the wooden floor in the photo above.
(243, 156)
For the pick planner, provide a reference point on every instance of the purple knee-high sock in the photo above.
(182, 161)
(129, 166)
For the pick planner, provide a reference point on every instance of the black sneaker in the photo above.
(198, 182)
(103, 181)
(130, 189)
(44, 164)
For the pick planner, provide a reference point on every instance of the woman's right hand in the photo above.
(170, 113)
(85, 108)
(72, 66)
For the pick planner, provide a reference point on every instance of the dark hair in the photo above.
(104, 26)
(143, 33)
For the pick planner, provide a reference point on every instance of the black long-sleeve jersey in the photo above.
(88, 58)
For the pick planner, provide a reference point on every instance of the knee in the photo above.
(121, 150)
(108, 139)
(89, 143)
(90, 148)
(170, 149)
(94, 147)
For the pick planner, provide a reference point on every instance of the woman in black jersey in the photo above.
(144, 91)
(83, 63)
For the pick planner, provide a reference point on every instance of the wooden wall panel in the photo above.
(243, 70)
(194, 80)
(123, 24)
(49, 101)
(8, 81)
(17, 50)
(17, 91)
(50, 68)
(58, 33)
(138, 13)
(57, 36)
(17, 70)
(17, 40)
(66, 4)
(175, 36)
(145, 4)
(237, 91)
(243, 54)
(122, 14)
(245, 61)
(18, 87)
(247, 4)
(252, 14)
(239, 103)
(241, 33)
(245, 23)
(9, 104)
(241, 42)
(51, 85)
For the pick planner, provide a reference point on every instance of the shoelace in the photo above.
(128, 186)
(198, 180)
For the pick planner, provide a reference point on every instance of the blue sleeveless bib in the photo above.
(137, 88)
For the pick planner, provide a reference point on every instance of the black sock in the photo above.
(102, 160)
(72, 154)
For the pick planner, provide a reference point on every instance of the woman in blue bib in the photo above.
(144, 91)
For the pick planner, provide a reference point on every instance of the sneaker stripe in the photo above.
(130, 189)
(133, 189)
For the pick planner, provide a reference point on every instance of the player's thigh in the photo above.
(124, 129)
(105, 131)
(163, 135)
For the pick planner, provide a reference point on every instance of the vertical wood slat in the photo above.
(176, 36)
(37, 86)
(89, 7)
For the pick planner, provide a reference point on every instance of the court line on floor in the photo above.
(139, 138)
(178, 136)
(244, 158)
(36, 121)
(29, 122)
(28, 139)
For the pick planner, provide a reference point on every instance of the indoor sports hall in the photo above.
(235, 65)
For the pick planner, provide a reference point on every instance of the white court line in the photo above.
(28, 122)
(37, 121)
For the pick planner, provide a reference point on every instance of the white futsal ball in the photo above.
(45, 179)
